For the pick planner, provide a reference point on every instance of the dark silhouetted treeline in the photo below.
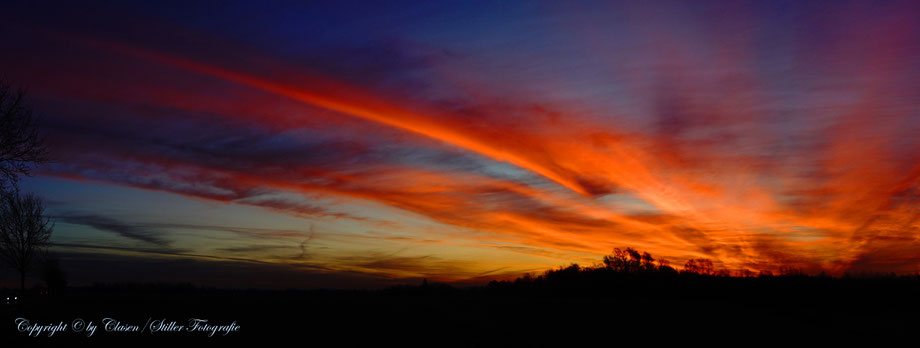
(629, 273)
(629, 294)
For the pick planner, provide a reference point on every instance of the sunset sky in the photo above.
(336, 144)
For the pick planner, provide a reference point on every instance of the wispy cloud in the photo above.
(131, 231)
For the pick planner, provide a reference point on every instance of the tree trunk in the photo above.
(22, 285)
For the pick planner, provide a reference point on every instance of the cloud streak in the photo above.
(138, 233)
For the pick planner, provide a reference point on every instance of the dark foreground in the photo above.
(500, 314)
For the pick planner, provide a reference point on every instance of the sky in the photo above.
(349, 144)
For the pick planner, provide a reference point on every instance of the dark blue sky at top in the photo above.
(525, 43)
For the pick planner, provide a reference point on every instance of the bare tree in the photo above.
(20, 145)
(699, 266)
(24, 231)
(54, 276)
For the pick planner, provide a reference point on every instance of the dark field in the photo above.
(692, 307)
